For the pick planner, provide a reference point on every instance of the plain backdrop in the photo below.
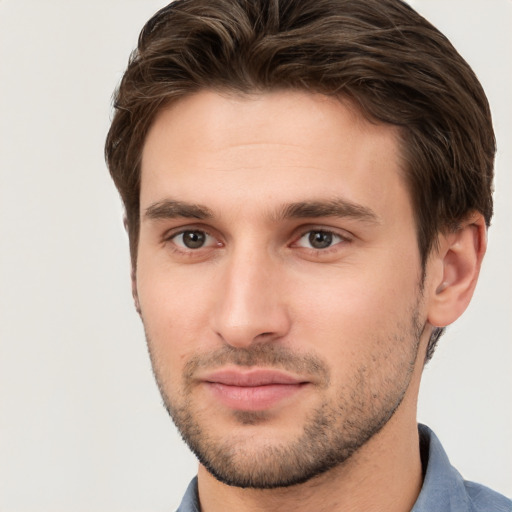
(81, 422)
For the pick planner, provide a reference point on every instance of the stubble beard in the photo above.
(331, 434)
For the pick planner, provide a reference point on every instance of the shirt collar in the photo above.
(443, 487)
(190, 502)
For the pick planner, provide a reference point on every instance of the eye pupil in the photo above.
(194, 239)
(320, 239)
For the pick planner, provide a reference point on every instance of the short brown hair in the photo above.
(382, 55)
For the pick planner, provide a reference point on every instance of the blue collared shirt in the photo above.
(443, 490)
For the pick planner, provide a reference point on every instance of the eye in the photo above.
(319, 239)
(192, 239)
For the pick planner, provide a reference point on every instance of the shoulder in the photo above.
(445, 490)
(486, 500)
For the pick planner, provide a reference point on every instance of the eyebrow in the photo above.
(172, 209)
(339, 207)
(342, 208)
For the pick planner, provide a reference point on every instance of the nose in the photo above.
(250, 300)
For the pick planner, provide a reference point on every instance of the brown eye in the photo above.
(192, 239)
(320, 239)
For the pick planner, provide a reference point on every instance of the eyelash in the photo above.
(169, 238)
(342, 239)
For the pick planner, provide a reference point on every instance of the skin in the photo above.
(248, 291)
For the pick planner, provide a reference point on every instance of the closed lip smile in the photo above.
(252, 390)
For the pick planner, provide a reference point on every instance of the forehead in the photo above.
(284, 146)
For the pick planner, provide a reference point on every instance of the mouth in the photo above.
(253, 390)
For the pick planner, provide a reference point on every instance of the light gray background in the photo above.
(81, 424)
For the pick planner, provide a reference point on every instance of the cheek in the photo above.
(364, 330)
(356, 307)
(174, 311)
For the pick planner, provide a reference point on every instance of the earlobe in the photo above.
(460, 255)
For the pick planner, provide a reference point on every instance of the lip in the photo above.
(253, 390)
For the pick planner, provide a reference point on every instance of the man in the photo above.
(307, 186)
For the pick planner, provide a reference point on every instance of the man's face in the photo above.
(279, 281)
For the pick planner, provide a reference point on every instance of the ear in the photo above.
(458, 263)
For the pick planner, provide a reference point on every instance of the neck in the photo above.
(385, 474)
